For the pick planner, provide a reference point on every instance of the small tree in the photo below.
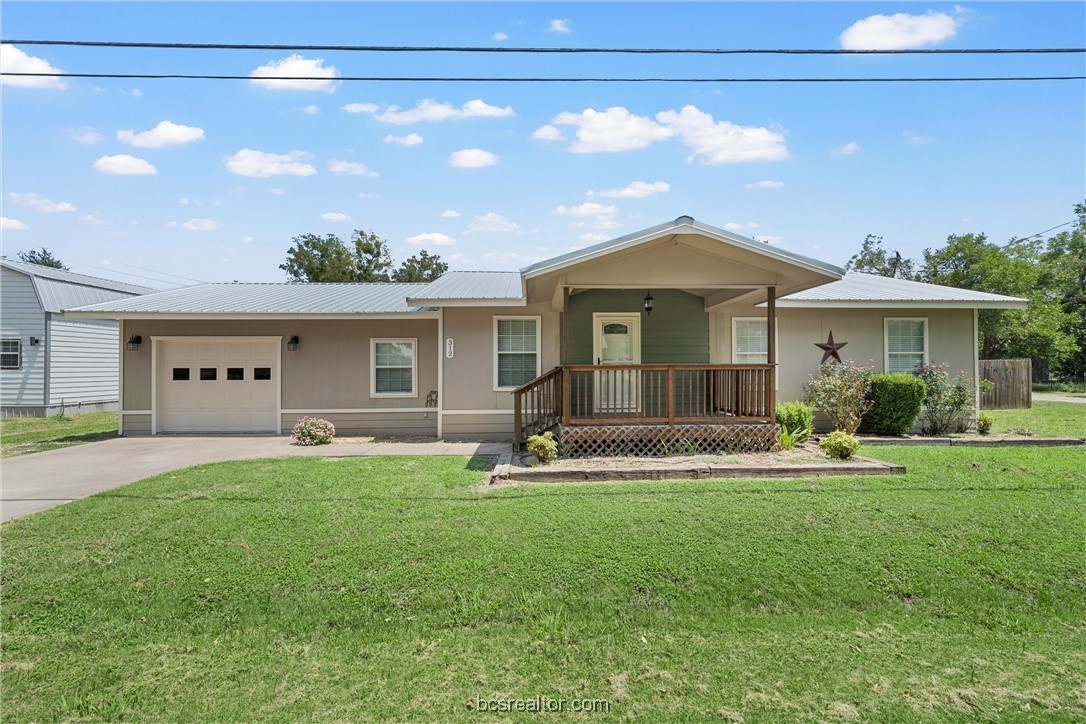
(423, 267)
(842, 391)
(949, 403)
(372, 259)
(42, 257)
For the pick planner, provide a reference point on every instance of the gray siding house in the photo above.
(48, 362)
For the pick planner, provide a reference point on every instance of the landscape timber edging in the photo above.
(876, 441)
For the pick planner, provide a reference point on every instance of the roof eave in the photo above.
(902, 303)
(466, 302)
(114, 314)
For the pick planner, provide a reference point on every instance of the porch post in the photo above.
(565, 326)
(771, 349)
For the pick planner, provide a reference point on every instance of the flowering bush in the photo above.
(839, 445)
(950, 403)
(842, 391)
(313, 431)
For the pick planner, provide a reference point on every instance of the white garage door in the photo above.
(227, 385)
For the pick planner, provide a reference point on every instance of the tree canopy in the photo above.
(366, 258)
(42, 257)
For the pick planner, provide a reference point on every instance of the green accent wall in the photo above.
(676, 332)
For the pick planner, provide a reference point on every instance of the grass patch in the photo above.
(1075, 388)
(19, 436)
(398, 589)
(1044, 418)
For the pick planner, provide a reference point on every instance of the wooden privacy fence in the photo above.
(1012, 384)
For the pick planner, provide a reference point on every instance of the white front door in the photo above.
(616, 340)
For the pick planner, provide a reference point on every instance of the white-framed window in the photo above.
(906, 343)
(394, 368)
(516, 351)
(11, 354)
(750, 340)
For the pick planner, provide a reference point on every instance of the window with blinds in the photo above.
(394, 367)
(751, 341)
(906, 344)
(516, 351)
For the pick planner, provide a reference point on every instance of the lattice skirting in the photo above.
(658, 440)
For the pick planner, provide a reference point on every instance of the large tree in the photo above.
(1063, 271)
(423, 267)
(42, 257)
(874, 259)
(315, 258)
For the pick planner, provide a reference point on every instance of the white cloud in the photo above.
(39, 202)
(295, 66)
(548, 133)
(491, 222)
(367, 195)
(450, 214)
(277, 192)
(246, 239)
(86, 135)
(430, 110)
(216, 202)
(601, 222)
(595, 237)
(722, 141)
(260, 164)
(899, 31)
(335, 216)
(589, 208)
(559, 26)
(311, 110)
(499, 36)
(847, 150)
(431, 237)
(766, 184)
(92, 220)
(137, 93)
(202, 225)
(164, 134)
(636, 190)
(125, 165)
(738, 226)
(14, 60)
(472, 158)
(411, 139)
(350, 168)
(612, 130)
(916, 139)
(12, 224)
(184, 200)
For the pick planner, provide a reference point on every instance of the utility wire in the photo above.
(446, 79)
(1039, 233)
(156, 271)
(124, 273)
(481, 49)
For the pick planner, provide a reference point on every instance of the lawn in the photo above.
(19, 436)
(397, 589)
(1044, 418)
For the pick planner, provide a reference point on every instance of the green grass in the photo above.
(19, 436)
(396, 589)
(1075, 388)
(1044, 418)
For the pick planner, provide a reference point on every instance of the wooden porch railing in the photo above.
(644, 394)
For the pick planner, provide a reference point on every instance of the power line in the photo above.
(447, 79)
(126, 274)
(156, 271)
(483, 49)
(1039, 233)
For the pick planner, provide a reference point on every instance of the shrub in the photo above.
(544, 446)
(840, 389)
(791, 440)
(896, 400)
(839, 445)
(798, 419)
(949, 403)
(984, 423)
(313, 431)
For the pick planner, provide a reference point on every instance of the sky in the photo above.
(172, 182)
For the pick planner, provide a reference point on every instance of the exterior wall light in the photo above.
(34, 341)
(292, 343)
(134, 343)
(649, 303)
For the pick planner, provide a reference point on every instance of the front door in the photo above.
(616, 340)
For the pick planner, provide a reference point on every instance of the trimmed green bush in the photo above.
(839, 445)
(797, 418)
(896, 400)
(544, 446)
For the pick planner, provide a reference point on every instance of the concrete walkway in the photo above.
(35, 482)
(1057, 397)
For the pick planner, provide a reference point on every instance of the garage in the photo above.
(220, 384)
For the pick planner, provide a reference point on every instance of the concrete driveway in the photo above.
(35, 482)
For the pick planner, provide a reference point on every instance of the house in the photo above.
(49, 362)
(682, 330)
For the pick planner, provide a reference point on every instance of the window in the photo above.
(393, 368)
(750, 341)
(180, 374)
(11, 354)
(516, 351)
(906, 344)
(209, 373)
(235, 373)
(262, 373)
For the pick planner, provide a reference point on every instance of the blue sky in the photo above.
(240, 167)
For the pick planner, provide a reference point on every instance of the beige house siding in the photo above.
(378, 424)
(137, 424)
(490, 425)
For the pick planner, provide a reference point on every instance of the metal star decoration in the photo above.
(829, 348)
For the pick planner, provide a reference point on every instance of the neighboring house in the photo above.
(48, 362)
(733, 327)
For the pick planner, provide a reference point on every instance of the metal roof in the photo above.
(60, 275)
(302, 299)
(467, 285)
(857, 289)
(677, 226)
(58, 290)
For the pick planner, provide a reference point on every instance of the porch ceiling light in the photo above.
(134, 342)
(292, 343)
(649, 303)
